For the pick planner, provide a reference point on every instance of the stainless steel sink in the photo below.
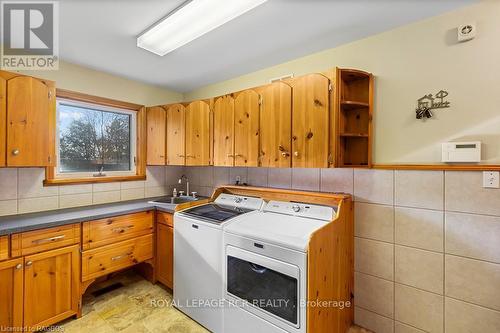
(171, 202)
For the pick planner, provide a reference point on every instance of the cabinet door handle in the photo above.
(296, 153)
(29, 263)
(230, 155)
(48, 240)
(15, 152)
(19, 266)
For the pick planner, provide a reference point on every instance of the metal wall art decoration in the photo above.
(429, 102)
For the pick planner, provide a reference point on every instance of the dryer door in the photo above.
(264, 283)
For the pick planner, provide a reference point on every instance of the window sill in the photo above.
(91, 180)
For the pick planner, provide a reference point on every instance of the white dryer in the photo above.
(265, 267)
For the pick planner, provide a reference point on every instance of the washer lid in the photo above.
(215, 213)
(285, 230)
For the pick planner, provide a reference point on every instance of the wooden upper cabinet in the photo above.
(246, 128)
(31, 120)
(224, 131)
(276, 125)
(198, 133)
(11, 295)
(176, 122)
(51, 286)
(156, 119)
(3, 120)
(310, 121)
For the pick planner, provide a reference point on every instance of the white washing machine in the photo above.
(198, 253)
(265, 267)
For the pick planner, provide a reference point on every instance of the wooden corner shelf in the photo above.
(354, 118)
(353, 105)
(354, 135)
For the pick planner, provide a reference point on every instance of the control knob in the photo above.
(296, 208)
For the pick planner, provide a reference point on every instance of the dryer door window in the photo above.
(265, 288)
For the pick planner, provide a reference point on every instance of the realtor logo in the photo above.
(29, 35)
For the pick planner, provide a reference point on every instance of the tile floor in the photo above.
(130, 309)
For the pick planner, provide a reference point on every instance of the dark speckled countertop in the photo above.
(26, 222)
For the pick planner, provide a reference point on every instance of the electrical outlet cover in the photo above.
(491, 179)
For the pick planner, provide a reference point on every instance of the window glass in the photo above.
(92, 139)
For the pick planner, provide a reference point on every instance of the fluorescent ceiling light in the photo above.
(190, 21)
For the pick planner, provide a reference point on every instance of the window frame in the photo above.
(97, 107)
(138, 134)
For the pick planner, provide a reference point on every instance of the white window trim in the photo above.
(133, 141)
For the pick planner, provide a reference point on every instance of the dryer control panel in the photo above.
(251, 203)
(301, 209)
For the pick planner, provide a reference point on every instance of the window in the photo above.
(94, 140)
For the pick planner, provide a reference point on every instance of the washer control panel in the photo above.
(317, 212)
(239, 201)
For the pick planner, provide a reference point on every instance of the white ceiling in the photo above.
(101, 34)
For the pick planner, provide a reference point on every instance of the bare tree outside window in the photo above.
(91, 139)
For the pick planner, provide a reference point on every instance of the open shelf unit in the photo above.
(354, 109)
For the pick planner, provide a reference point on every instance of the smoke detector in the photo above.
(466, 32)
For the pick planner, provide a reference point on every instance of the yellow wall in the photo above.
(409, 62)
(89, 81)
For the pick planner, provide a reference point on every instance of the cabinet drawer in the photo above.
(115, 229)
(165, 218)
(4, 247)
(46, 239)
(111, 258)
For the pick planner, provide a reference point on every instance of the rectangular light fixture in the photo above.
(190, 21)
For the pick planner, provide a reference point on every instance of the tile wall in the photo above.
(22, 190)
(427, 243)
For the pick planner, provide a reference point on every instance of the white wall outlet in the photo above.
(491, 179)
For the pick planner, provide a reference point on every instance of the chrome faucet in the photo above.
(187, 183)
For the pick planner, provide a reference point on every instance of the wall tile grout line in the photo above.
(475, 304)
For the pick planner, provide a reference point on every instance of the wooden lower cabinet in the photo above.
(11, 295)
(51, 286)
(165, 254)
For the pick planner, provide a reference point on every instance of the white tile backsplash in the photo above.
(30, 184)
(374, 186)
(473, 236)
(337, 180)
(421, 189)
(8, 184)
(305, 179)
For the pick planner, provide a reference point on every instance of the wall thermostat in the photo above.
(465, 152)
(466, 32)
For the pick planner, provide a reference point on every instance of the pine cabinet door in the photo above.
(11, 294)
(165, 254)
(30, 122)
(246, 128)
(3, 120)
(276, 125)
(198, 133)
(52, 286)
(224, 131)
(310, 121)
(176, 122)
(156, 119)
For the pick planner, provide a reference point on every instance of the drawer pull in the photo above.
(121, 256)
(19, 266)
(29, 263)
(48, 240)
(122, 229)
